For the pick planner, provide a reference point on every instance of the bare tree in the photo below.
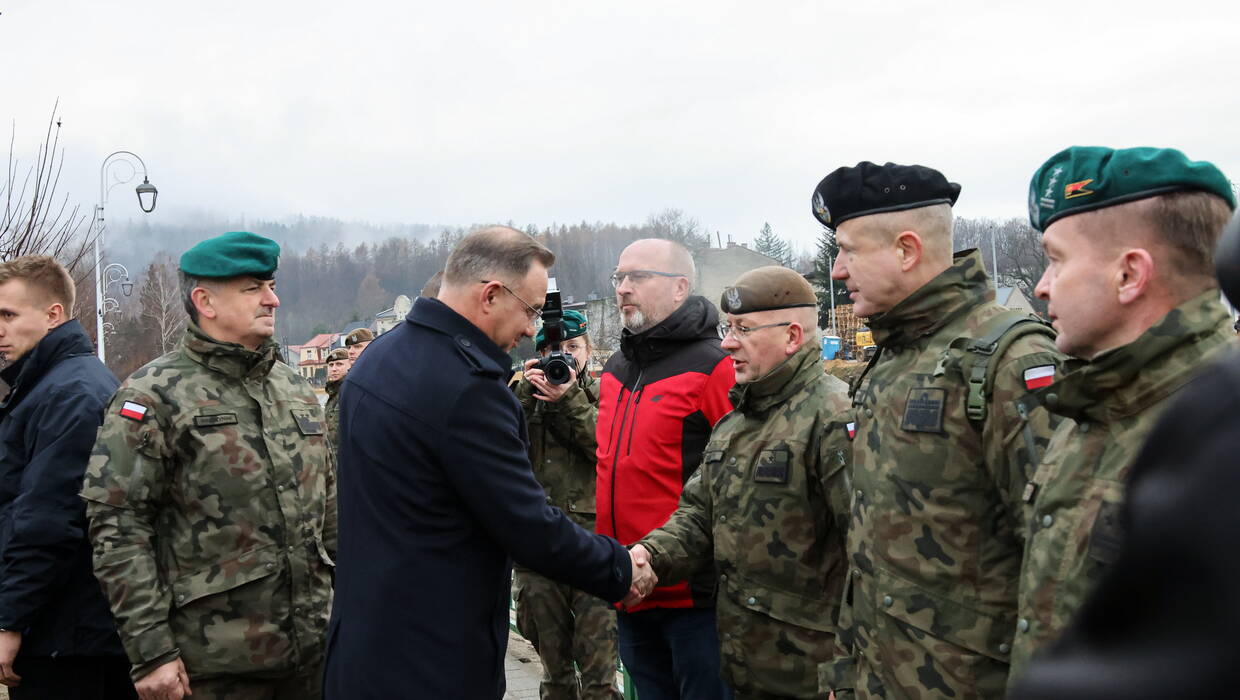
(160, 298)
(37, 221)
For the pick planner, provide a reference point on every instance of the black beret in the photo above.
(874, 189)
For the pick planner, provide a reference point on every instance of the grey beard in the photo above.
(635, 322)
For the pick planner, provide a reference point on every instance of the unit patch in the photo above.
(1077, 189)
(923, 412)
(772, 466)
(306, 422)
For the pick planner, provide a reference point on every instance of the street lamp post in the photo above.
(115, 272)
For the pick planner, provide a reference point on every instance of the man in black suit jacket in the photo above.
(437, 496)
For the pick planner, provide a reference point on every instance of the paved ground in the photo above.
(522, 669)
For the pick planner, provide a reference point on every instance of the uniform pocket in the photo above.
(225, 616)
(945, 645)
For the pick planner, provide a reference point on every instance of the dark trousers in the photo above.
(673, 654)
(73, 678)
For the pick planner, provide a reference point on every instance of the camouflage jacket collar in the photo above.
(780, 384)
(940, 301)
(229, 359)
(1127, 379)
(332, 387)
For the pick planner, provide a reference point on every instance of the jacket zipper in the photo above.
(615, 463)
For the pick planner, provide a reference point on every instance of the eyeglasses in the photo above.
(738, 331)
(639, 276)
(531, 313)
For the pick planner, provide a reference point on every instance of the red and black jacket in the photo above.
(659, 397)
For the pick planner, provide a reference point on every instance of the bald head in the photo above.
(657, 278)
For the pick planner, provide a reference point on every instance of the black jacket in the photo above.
(48, 422)
(1163, 621)
(437, 497)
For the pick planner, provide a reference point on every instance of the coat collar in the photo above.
(1125, 380)
(695, 319)
(66, 340)
(780, 384)
(470, 340)
(230, 359)
(937, 303)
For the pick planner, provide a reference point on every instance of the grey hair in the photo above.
(494, 252)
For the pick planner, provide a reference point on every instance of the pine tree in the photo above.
(771, 245)
(828, 250)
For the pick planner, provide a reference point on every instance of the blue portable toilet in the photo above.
(830, 346)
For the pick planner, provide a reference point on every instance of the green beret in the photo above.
(1084, 178)
(765, 289)
(358, 335)
(337, 354)
(233, 254)
(574, 325)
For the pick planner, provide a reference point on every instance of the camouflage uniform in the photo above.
(332, 410)
(934, 539)
(566, 625)
(211, 499)
(1111, 403)
(768, 509)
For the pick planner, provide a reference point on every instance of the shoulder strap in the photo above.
(980, 361)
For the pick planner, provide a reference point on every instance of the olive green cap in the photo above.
(1084, 178)
(767, 288)
(359, 335)
(337, 354)
(574, 325)
(233, 254)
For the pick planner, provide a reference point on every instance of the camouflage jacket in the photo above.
(934, 538)
(767, 509)
(211, 500)
(562, 445)
(332, 410)
(1111, 403)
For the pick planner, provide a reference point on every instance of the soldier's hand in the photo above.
(644, 578)
(10, 642)
(167, 682)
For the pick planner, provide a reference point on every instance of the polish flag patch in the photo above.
(852, 430)
(1038, 377)
(133, 411)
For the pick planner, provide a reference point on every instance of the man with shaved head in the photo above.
(941, 451)
(659, 397)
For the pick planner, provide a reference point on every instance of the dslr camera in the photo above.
(558, 365)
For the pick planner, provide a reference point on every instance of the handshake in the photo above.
(644, 578)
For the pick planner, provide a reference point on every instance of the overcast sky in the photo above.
(460, 112)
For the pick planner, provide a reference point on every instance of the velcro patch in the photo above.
(1107, 535)
(215, 419)
(852, 430)
(307, 423)
(1038, 377)
(772, 466)
(923, 411)
(133, 411)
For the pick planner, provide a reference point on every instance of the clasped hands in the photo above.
(644, 578)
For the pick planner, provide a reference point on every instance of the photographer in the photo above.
(565, 625)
